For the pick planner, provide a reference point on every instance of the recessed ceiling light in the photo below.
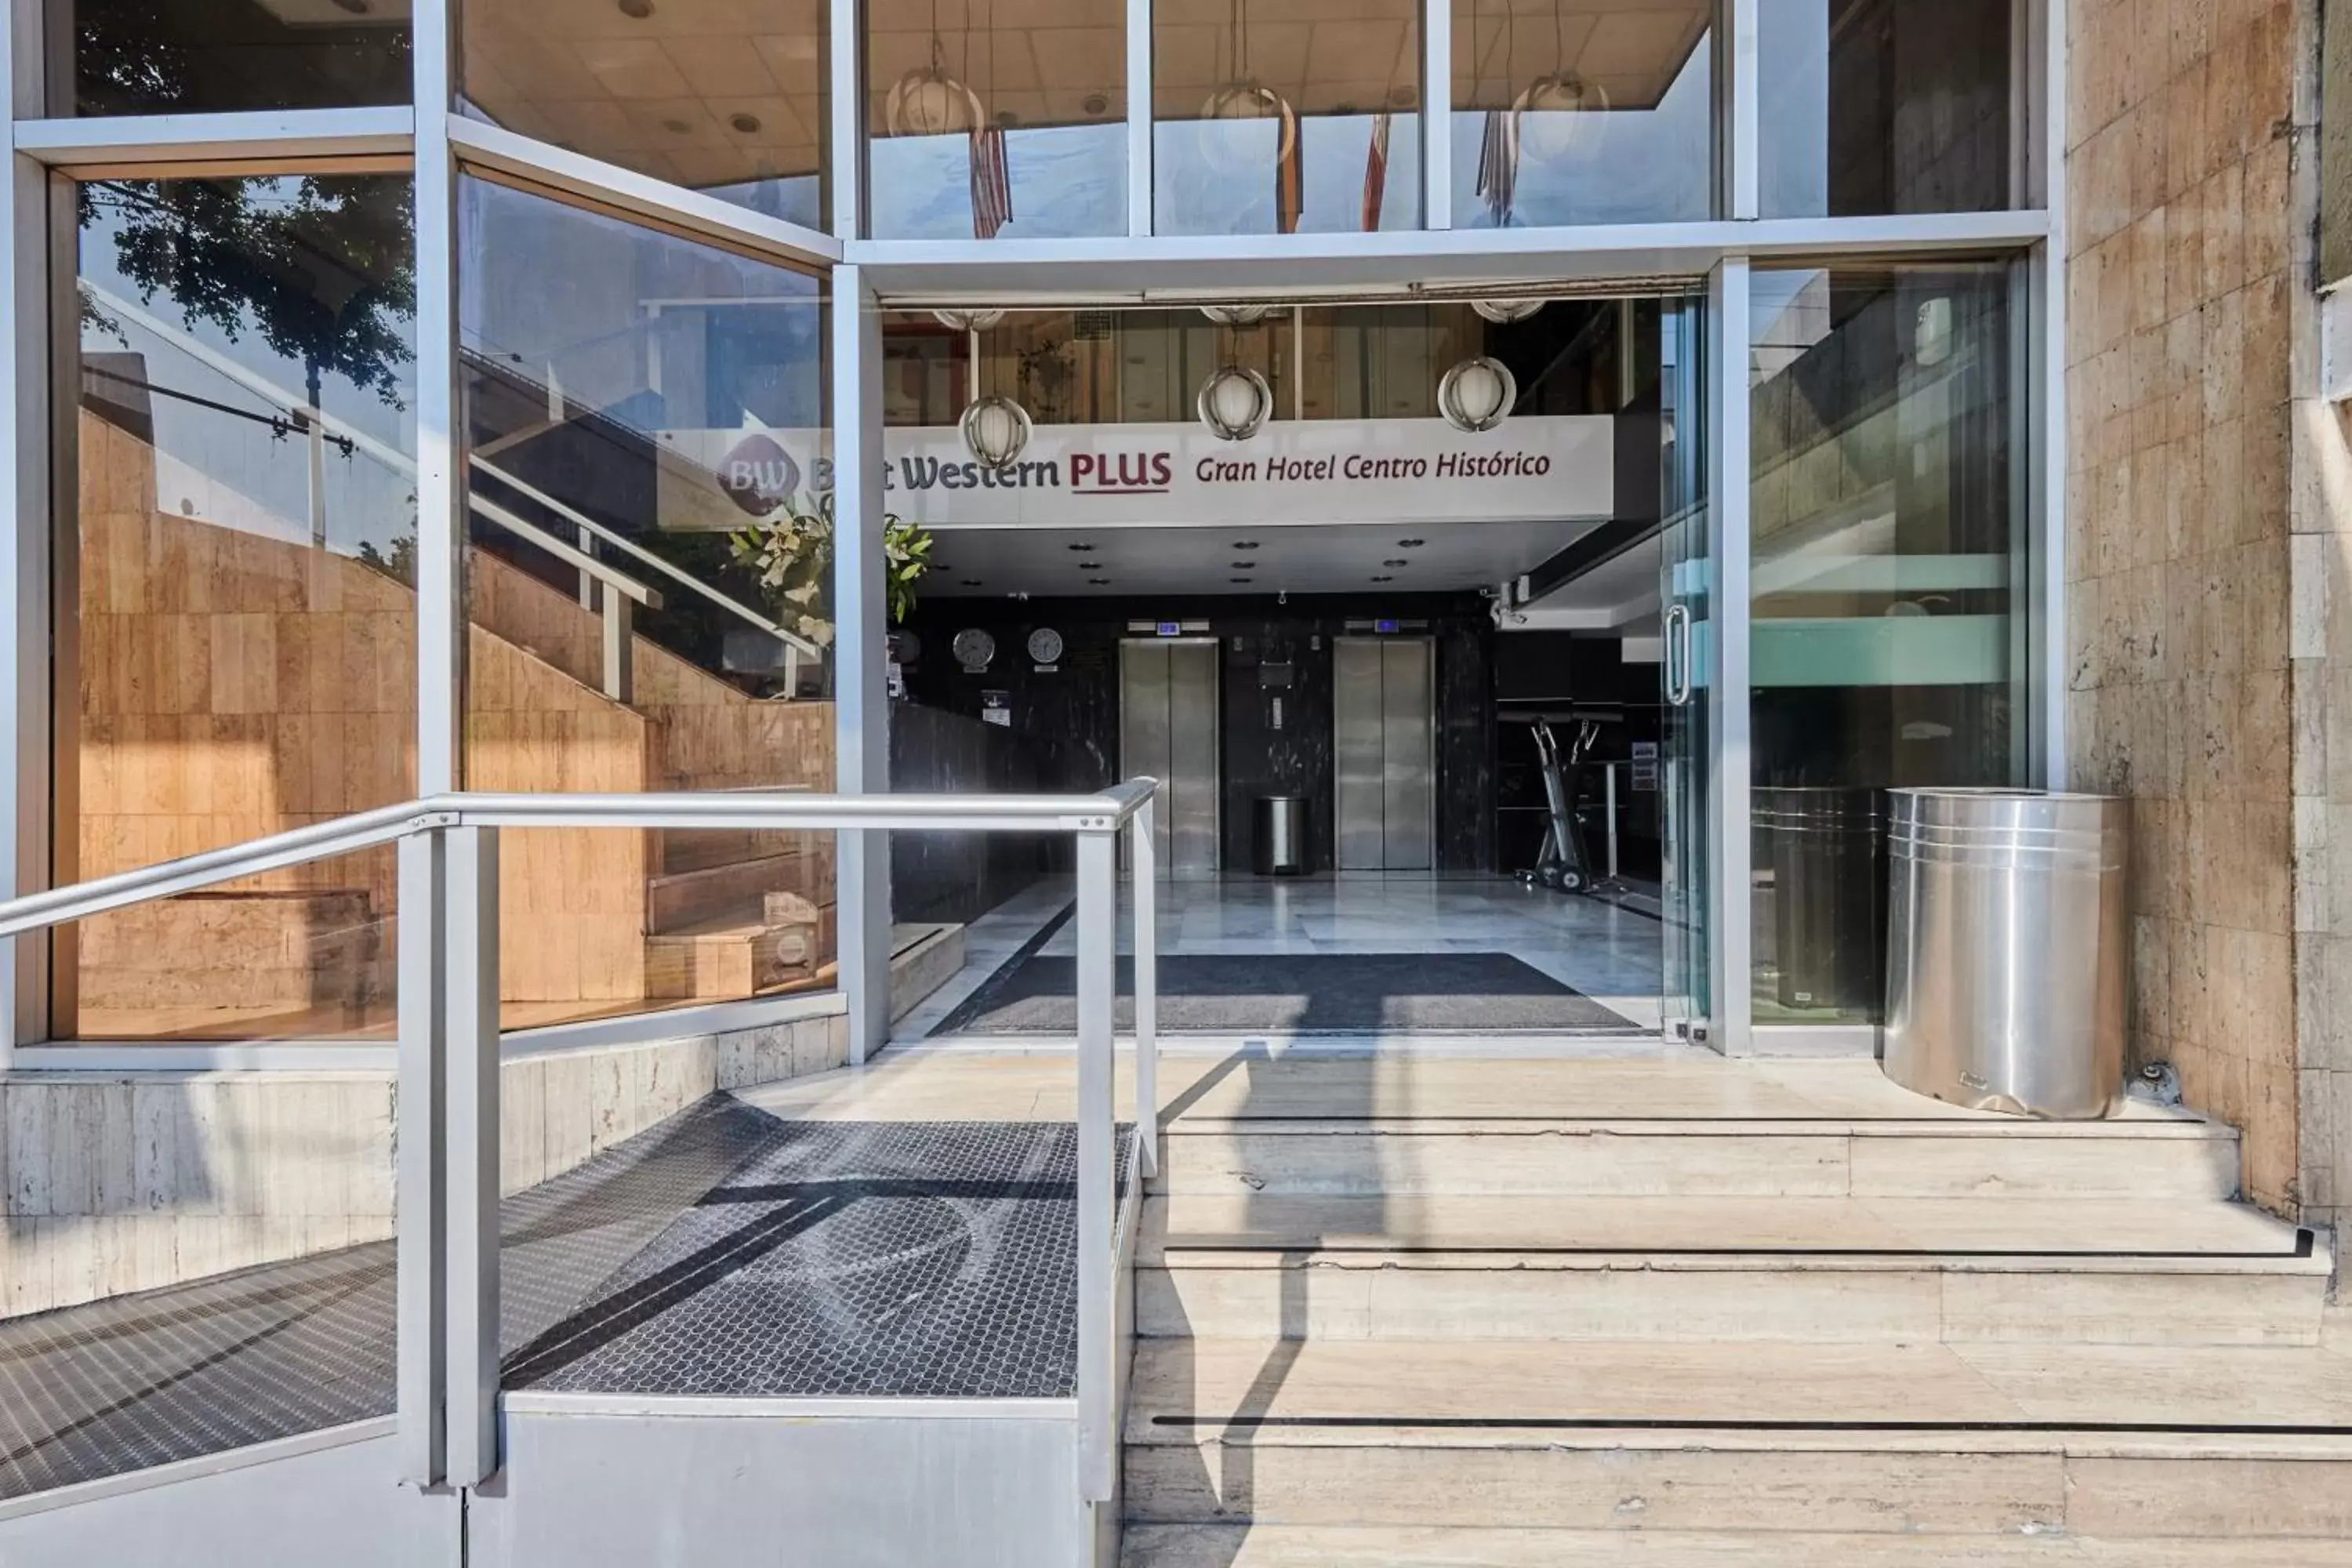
(1396, 561)
(1081, 549)
(1244, 565)
(1095, 104)
(1089, 565)
(1411, 543)
(677, 127)
(1383, 579)
(746, 123)
(1244, 544)
(1097, 582)
(971, 582)
(356, 7)
(640, 9)
(1007, 119)
(1402, 96)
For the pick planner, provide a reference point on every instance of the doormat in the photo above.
(1322, 992)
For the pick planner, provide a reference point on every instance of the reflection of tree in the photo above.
(321, 267)
(153, 57)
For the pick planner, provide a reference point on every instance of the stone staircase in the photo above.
(1506, 1313)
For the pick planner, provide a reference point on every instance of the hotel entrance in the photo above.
(1381, 593)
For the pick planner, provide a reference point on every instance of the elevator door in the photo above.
(1384, 750)
(1168, 730)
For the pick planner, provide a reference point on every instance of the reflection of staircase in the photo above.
(271, 953)
(731, 914)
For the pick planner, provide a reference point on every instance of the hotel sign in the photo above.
(1178, 475)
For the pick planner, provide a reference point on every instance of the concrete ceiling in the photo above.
(1352, 558)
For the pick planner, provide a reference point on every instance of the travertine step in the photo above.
(1968, 1269)
(240, 949)
(1314, 1546)
(702, 848)
(2092, 1440)
(726, 960)
(2149, 1160)
(734, 891)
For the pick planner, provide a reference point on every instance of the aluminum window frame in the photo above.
(439, 145)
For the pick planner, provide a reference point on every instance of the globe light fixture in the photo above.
(967, 321)
(1236, 315)
(1234, 402)
(1476, 394)
(926, 101)
(1229, 150)
(1503, 312)
(995, 429)
(1557, 114)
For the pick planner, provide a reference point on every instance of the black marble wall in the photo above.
(960, 876)
(1066, 717)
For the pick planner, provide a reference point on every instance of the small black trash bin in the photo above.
(1827, 850)
(1281, 842)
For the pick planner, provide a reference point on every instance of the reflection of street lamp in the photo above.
(1503, 312)
(1476, 394)
(995, 429)
(1234, 402)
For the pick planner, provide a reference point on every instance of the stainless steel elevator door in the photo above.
(1167, 729)
(1384, 752)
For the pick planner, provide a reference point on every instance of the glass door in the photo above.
(1685, 583)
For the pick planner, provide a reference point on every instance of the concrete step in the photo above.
(1903, 1270)
(2091, 1440)
(1319, 1546)
(2147, 1159)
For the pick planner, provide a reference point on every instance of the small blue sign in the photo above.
(1384, 627)
(1170, 628)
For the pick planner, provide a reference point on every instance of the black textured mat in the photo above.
(1305, 992)
(909, 1258)
(721, 1252)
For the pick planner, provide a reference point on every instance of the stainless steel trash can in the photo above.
(2006, 929)
(1281, 846)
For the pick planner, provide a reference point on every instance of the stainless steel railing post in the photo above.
(1144, 869)
(470, 930)
(1098, 926)
(421, 1247)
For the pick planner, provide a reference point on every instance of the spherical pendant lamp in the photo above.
(1476, 394)
(926, 101)
(1557, 115)
(1503, 312)
(1243, 102)
(1236, 315)
(995, 429)
(1234, 402)
(967, 321)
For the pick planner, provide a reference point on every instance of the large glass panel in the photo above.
(1277, 119)
(186, 56)
(1688, 684)
(1885, 521)
(730, 101)
(1884, 106)
(649, 584)
(1582, 111)
(237, 648)
(987, 119)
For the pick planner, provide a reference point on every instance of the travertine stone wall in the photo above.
(2185, 232)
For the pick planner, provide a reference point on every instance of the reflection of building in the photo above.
(1524, 479)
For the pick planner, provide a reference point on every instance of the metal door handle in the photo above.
(1678, 671)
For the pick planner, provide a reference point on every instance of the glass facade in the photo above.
(1286, 120)
(204, 57)
(648, 590)
(236, 651)
(729, 102)
(1582, 111)
(1887, 561)
(987, 119)
(1877, 106)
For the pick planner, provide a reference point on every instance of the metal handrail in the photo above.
(448, 1176)
(728, 809)
(670, 569)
